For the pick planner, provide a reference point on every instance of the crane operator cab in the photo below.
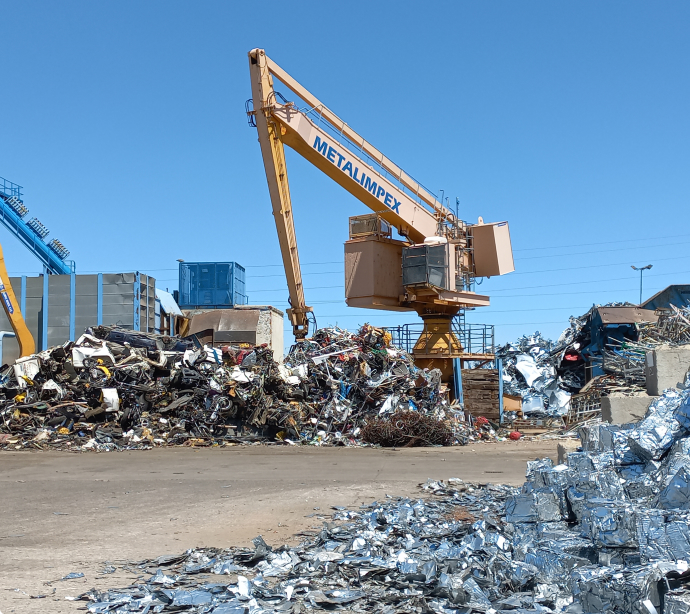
(435, 278)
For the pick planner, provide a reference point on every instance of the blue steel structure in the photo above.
(32, 233)
(475, 338)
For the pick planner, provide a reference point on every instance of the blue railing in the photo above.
(475, 338)
(10, 189)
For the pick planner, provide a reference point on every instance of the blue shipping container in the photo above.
(211, 285)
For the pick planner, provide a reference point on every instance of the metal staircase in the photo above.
(32, 233)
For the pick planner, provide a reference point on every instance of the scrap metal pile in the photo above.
(529, 371)
(119, 389)
(672, 327)
(547, 374)
(608, 532)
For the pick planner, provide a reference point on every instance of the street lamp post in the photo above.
(644, 268)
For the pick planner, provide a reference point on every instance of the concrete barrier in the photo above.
(621, 409)
(665, 367)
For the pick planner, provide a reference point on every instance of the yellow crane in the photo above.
(27, 346)
(430, 271)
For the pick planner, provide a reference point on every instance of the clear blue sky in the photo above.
(124, 121)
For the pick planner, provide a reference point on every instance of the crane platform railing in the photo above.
(475, 339)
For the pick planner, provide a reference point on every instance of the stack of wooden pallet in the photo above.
(480, 392)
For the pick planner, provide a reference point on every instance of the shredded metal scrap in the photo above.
(607, 532)
(545, 374)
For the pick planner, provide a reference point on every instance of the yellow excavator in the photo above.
(27, 345)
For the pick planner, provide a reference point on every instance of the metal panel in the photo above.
(626, 315)
(86, 303)
(118, 299)
(72, 304)
(493, 253)
(10, 346)
(42, 341)
(424, 265)
(373, 273)
(100, 299)
(58, 321)
(235, 336)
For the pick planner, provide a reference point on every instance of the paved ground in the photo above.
(65, 512)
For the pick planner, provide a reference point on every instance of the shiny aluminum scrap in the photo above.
(607, 533)
(572, 540)
(546, 374)
(117, 389)
(529, 371)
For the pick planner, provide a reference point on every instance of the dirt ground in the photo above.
(63, 513)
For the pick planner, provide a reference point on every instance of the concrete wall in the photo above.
(270, 330)
(666, 368)
(621, 409)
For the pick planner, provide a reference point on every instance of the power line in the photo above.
(567, 293)
(598, 251)
(304, 274)
(285, 290)
(593, 281)
(593, 266)
(531, 249)
(260, 266)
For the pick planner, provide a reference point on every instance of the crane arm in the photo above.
(378, 192)
(366, 148)
(27, 345)
(368, 175)
(273, 153)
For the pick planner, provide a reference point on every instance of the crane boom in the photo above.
(276, 174)
(366, 148)
(27, 346)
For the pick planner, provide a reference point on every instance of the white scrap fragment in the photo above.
(26, 367)
(52, 385)
(287, 376)
(88, 346)
(110, 400)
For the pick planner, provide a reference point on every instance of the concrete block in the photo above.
(620, 409)
(666, 367)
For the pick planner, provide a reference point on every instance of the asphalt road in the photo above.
(63, 512)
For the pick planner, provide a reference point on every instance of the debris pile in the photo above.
(605, 533)
(119, 389)
(672, 327)
(610, 340)
(407, 429)
(529, 371)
